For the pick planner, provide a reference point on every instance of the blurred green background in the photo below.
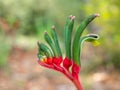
(23, 22)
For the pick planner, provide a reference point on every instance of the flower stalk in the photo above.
(69, 65)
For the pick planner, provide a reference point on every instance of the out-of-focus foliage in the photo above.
(4, 49)
(36, 16)
(109, 29)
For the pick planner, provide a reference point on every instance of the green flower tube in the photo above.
(78, 34)
(55, 40)
(44, 49)
(51, 44)
(67, 35)
(88, 38)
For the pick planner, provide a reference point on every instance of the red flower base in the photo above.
(63, 66)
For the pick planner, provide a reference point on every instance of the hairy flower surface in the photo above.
(70, 65)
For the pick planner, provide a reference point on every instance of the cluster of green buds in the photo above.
(52, 58)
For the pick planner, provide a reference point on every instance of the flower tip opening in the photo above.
(38, 43)
(93, 35)
(45, 32)
(72, 17)
(97, 15)
(53, 27)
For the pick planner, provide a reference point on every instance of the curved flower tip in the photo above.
(38, 43)
(45, 32)
(97, 14)
(53, 27)
(72, 17)
(93, 36)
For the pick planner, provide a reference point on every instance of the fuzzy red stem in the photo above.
(77, 84)
(74, 80)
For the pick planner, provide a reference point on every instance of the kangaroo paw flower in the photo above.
(51, 57)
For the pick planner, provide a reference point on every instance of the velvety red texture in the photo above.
(67, 63)
(54, 63)
(49, 60)
(57, 60)
(75, 70)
